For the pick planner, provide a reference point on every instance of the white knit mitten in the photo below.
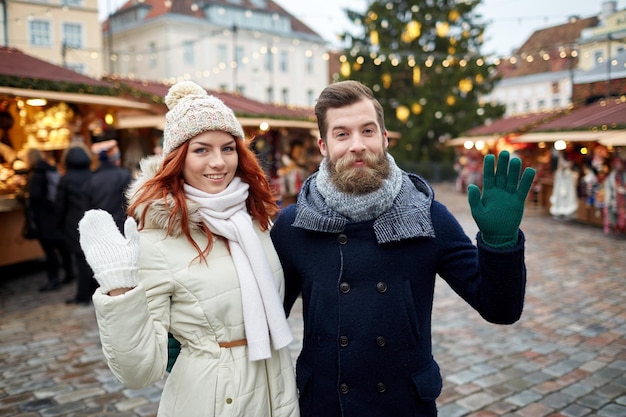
(112, 256)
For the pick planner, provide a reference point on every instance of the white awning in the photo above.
(156, 121)
(615, 138)
(75, 98)
(460, 141)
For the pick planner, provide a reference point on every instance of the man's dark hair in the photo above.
(344, 93)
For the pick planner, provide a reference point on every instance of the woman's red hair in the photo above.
(168, 182)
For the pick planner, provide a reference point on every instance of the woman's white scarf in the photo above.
(226, 215)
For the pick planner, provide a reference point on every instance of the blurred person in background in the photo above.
(41, 188)
(71, 206)
(105, 189)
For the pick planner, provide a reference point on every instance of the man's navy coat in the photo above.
(367, 309)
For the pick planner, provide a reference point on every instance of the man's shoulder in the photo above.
(287, 214)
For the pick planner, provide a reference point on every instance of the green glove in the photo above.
(498, 212)
(173, 349)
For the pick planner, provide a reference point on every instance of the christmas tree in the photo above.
(423, 60)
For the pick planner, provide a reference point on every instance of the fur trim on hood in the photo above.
(158, 214)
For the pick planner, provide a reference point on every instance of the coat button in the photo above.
(229, 400)
(342, 239)
(380, 341)
(344, 287)
(381, 287)
(380, 387)
(343, 341)
(344, 388)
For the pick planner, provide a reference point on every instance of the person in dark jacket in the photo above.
(105, 189)
(71, 207)
(363, 246)
(41, 186)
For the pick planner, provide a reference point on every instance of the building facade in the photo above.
(63, 32)
(539, 77)
(250, 47)
(600, 44)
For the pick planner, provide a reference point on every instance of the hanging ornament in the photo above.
(417, 75)
(344, 70)
(371, 17)
(374, 37)
(402, 113)
(454, 15)
(442, 29)
(416, 108)
(466, 85)
(479, 78)
(386, 79)
(450, 100)
(412, 31)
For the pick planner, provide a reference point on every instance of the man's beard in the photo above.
(359, 180)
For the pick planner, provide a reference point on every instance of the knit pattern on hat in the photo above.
(193, 111)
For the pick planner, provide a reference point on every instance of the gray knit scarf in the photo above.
(360, 208)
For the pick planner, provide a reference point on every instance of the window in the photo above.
(189, 57)
(77, 67)
(239, 53)
(73, 35)
(269, 61)
(285, 95)
(39, 33)
(556, 102)
(154, 56)
(310, 98)
(222, 55)
(555, 87)
(72, 2)
(270, 95)
(284, 61)
(598, 57)
(309, 65)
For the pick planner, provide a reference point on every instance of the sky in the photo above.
(511, 21)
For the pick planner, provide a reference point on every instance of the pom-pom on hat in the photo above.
(193, 111)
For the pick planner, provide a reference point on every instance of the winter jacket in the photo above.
(105, 190)
(42, 201)
(367, 292)
(200, 304)
(70, 202)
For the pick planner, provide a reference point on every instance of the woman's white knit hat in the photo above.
(193, 111)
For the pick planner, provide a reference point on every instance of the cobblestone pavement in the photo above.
(565, 357)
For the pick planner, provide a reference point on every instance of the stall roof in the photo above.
(75, 98)
(513, 124)
(18, 70)
(570, 136)
(16, 63)
(601, 115)
(241, 105)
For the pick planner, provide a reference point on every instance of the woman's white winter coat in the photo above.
(200, 304)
